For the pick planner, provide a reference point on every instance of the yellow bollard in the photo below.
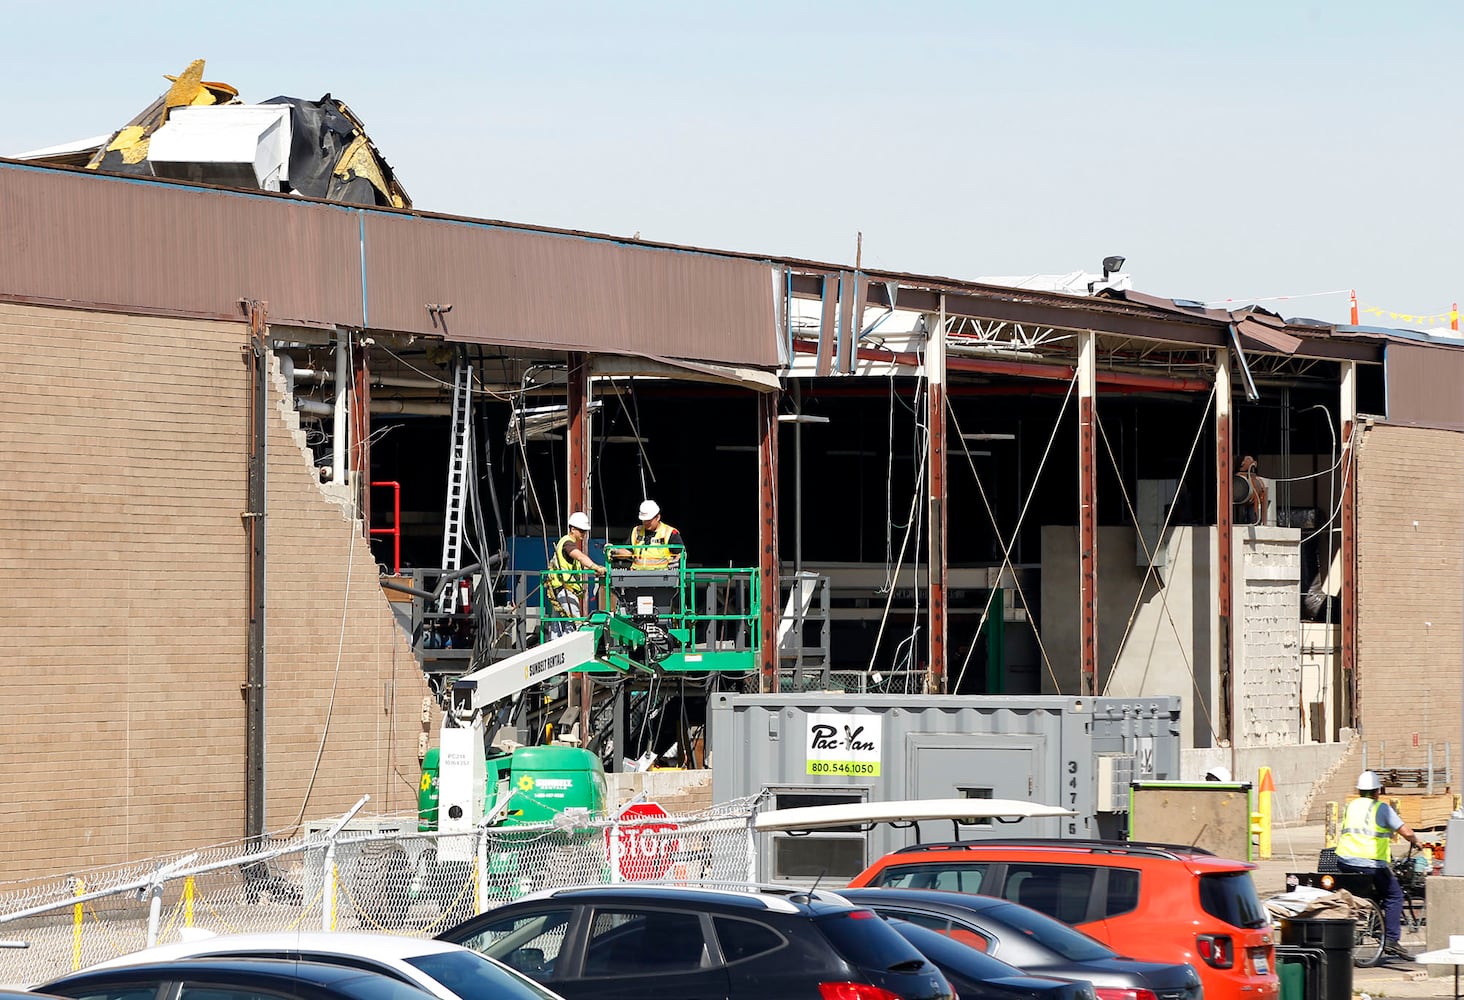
(188, 901)
(1266, 793)
(1329, 832)
(77, 916)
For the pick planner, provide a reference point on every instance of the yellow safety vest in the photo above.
(561, 575)
(1362, 835)
(655, 555)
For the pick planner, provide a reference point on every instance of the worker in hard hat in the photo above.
(1368, 828)
(654, 544)
(568, 589)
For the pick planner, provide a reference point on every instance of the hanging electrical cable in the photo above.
(643, 461)
(884, 618)
(890, 492)
(1007, 546)
(1149, 559)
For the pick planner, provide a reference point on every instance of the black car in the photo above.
(231, 979)
(1033, 942)
(632, 942)
(976, 975)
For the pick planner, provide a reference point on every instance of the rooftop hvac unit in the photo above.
(235, 145)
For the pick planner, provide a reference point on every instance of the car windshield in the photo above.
(1052, 934)
(470, 975)
(1231, 897)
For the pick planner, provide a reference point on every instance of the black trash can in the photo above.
(1334, 937)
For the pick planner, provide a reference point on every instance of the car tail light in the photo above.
(1118, 993)
(854, 991)
(1217, 950)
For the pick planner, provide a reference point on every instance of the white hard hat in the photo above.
(579, 519)
(1218, 774)
(649, 509)
(1368, 781)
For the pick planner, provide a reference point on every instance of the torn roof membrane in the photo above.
(329, 155)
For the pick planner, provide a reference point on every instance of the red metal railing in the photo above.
(395, 531)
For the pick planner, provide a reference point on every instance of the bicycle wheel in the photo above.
(1367, 941)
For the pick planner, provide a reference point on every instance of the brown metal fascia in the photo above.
(769, 592)
(1027, 369)
(1205, 328)
(559, 293)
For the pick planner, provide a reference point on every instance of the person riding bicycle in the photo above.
(1368, 827)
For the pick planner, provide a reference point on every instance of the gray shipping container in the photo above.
(824, 749)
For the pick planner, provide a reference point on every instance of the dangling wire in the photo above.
(1006, 547)
(643, 462)
(1149, 559)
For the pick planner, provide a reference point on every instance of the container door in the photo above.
(987, 766)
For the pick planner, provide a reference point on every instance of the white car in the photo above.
(441, 969)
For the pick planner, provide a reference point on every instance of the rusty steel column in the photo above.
(577, 492)
(1225, 544)
(1347, 410)
(767, 539)
(257, 357)
(935, 358)
(1087, 517)
(360, 410)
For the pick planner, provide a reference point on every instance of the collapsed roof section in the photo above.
(200, 131)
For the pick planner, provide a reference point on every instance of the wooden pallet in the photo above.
(1421, 810)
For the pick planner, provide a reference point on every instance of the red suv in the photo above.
(1151, 901)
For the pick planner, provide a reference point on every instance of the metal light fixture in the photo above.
(1112, 264)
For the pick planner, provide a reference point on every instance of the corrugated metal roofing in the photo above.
(566, 292)
(78, 239)
(85, 240)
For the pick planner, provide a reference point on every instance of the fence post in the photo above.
(328, 894)
(481, 875)
(78, 914)
(154, 912)
(188, 890)
(614, 833)
(752, 846)
(155, 890)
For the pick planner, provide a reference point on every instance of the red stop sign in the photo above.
(645, 846)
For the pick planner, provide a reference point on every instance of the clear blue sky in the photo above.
(1226, 149)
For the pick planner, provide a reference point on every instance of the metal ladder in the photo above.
(459, 468)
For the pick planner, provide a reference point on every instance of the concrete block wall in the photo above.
(679, 792)
(125, 628)
(1267, 574)
(1410, 593)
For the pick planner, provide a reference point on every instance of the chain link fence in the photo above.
(377, 874)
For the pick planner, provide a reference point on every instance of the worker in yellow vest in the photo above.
(1364, 847)
(568, 589)
(654, 544)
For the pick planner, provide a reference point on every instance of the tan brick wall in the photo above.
(1410, 550)
(123, 635)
